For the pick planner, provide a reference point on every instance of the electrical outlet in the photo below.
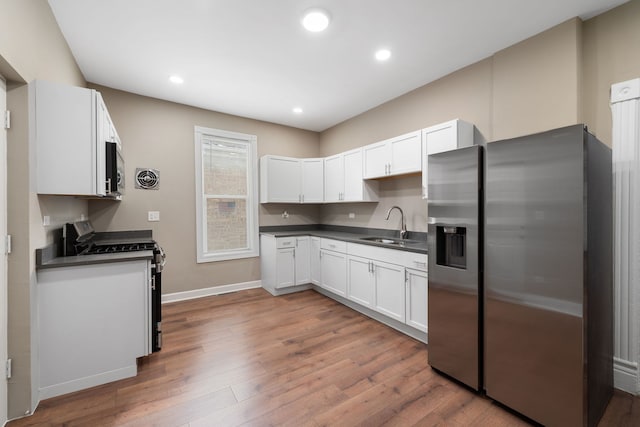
(153, 216)
(285, 214)
(352, 215)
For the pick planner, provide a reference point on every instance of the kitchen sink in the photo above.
(388, 240)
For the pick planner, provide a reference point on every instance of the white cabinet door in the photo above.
(333, 178)
(376, 160)
(416, 299)
(334, 272)
(354, 186)
(312, 180)
(443, 137)
(63, 123)
(302, 256)
(361, 285)
(279, 180)
(405, 154)
(285, 268)
(314, 260)
(389, 298)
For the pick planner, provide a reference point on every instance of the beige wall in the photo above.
(32, 44)
(535, 83)
(31, 47)
(529, 87)
(160, 135)
(611, 54)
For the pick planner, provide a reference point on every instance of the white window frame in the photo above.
(253, 249)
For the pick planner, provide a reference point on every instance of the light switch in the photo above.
(153, 216)
(46, 220)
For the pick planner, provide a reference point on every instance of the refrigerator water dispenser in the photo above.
(451, 245)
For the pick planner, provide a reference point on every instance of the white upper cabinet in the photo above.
(395, 156)
(70, 127)
(343, 179)
(333, 178)
(443, 137)
(279, 180)
(312, 180)
(291, 180)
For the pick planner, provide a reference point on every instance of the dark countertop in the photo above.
(416, 242)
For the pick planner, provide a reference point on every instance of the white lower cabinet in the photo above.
(416, 299)
(389, 289)
(285, 268)
(361, 281)
(333, 266)
(390, 282)
(302, 261)
(284, 261)
(314, 260)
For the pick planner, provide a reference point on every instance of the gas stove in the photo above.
(79, 238)
(117, 248)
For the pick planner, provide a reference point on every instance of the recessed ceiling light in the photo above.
(176, 80)
(315, 20)
(297, 110)
(383, 54)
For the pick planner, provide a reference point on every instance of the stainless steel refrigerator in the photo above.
(520, 295)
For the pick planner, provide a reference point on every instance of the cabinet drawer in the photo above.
(333, 245)
(415, 261)
(285, 242)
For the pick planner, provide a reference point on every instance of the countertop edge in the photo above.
(80, 260)
(345, 237)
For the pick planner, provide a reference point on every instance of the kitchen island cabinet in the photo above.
(93, 322)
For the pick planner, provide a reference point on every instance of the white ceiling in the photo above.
(252, 58)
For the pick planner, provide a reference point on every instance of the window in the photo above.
(226, 195)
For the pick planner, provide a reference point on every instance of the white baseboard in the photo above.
(625, 376)
(86, 382)
(207, 292)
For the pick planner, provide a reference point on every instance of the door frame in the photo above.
(4, 330)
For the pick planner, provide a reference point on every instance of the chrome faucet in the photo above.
(403, 225)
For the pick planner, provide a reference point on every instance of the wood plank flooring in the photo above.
(251, 359)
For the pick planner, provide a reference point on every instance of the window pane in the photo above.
(226, 224)
(224, 168)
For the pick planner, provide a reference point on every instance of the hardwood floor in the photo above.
(251, 359)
